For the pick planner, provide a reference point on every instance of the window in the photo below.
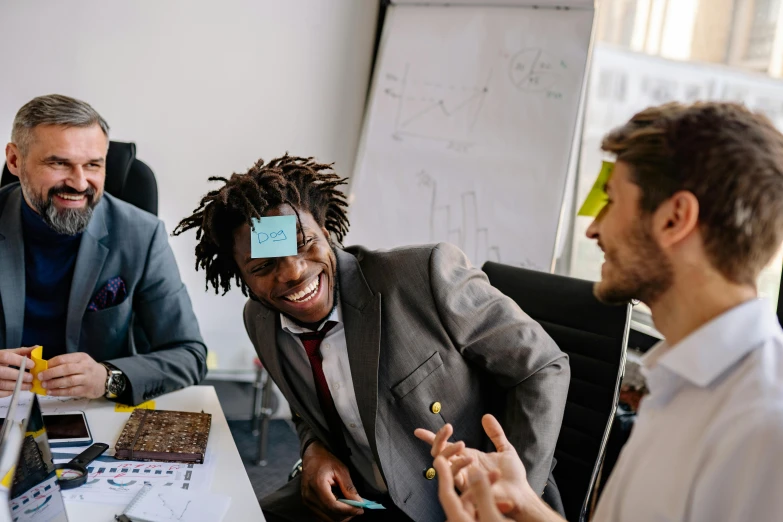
(623, 82)
(762, 29)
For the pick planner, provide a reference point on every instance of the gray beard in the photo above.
(70, 221)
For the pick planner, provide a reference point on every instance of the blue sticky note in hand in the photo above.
(273, 236)
(365, 504)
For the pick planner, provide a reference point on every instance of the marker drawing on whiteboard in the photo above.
(533, 70)
(459, 223)
(436, 110)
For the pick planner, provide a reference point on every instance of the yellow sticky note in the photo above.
(149, 405)
(596, 199)
(212, 360)
(40, 365)
(35, 434)
(6, 482)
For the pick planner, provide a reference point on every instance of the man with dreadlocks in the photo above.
(366, 346)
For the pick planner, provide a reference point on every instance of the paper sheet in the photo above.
(38, 504)
(49, 404)
(113, 481)
(159, 504)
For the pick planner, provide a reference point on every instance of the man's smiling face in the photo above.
(635, 266)
(301, 286)
(62, 174)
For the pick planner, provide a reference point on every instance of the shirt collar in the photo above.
(291, 327)
(714, 348)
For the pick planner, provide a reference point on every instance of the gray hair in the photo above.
(52, 109)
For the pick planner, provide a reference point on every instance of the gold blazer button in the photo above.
(435, 408)
(429, 474)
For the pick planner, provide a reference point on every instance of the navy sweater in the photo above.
(49, 262)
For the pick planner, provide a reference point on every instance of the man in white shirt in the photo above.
(694, 212)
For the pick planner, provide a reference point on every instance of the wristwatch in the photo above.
(115, 382)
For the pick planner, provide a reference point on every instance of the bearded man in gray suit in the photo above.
(89, 277)
(366, 346)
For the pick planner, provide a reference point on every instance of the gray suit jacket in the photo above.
(423, 326)
(152, 336)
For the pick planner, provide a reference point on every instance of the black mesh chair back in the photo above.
(595, 337)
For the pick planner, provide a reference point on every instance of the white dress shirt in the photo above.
(337, 370)
(707, 444)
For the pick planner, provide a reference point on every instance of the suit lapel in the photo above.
(362, 321)
(268, 323)
(362, 317)
(89, 263)
(12, 290)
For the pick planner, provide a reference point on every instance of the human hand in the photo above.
(74, 375)
(504, 467)
(15, 357)
(481, 507)
(320, 471)
(458, 456)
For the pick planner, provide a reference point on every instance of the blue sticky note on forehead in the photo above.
(273, 236)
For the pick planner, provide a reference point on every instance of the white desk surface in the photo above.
(230, 476)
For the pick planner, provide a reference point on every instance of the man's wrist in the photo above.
(116, 381)
(105, 378)
(529, 506)
(308, 444)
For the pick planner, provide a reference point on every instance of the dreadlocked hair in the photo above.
(300, 182)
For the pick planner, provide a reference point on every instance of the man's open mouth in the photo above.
(306, 293)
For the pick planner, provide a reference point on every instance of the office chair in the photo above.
(127, 178)
(595, 337)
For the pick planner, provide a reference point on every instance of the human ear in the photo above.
(676, 218)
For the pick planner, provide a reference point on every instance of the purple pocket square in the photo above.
(112, 293)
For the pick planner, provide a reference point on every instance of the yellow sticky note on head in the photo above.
(40, 365)
(596, 199)
(149, 405)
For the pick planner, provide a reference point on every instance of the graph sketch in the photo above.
(172, 509)
(435, 109)
(533, 70)
(458, 223)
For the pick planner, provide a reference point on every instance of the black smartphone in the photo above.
(67, 429)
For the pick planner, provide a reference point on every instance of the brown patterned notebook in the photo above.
(160, 435)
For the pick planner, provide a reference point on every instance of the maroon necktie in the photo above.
(312, 343)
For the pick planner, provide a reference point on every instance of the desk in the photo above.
(230, 476)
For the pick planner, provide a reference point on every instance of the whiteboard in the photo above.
(468, 133)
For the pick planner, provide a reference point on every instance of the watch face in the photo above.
(116, 383)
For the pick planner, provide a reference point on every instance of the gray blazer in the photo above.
(152, 336)
(423, 326)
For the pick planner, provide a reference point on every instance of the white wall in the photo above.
(204, 88)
